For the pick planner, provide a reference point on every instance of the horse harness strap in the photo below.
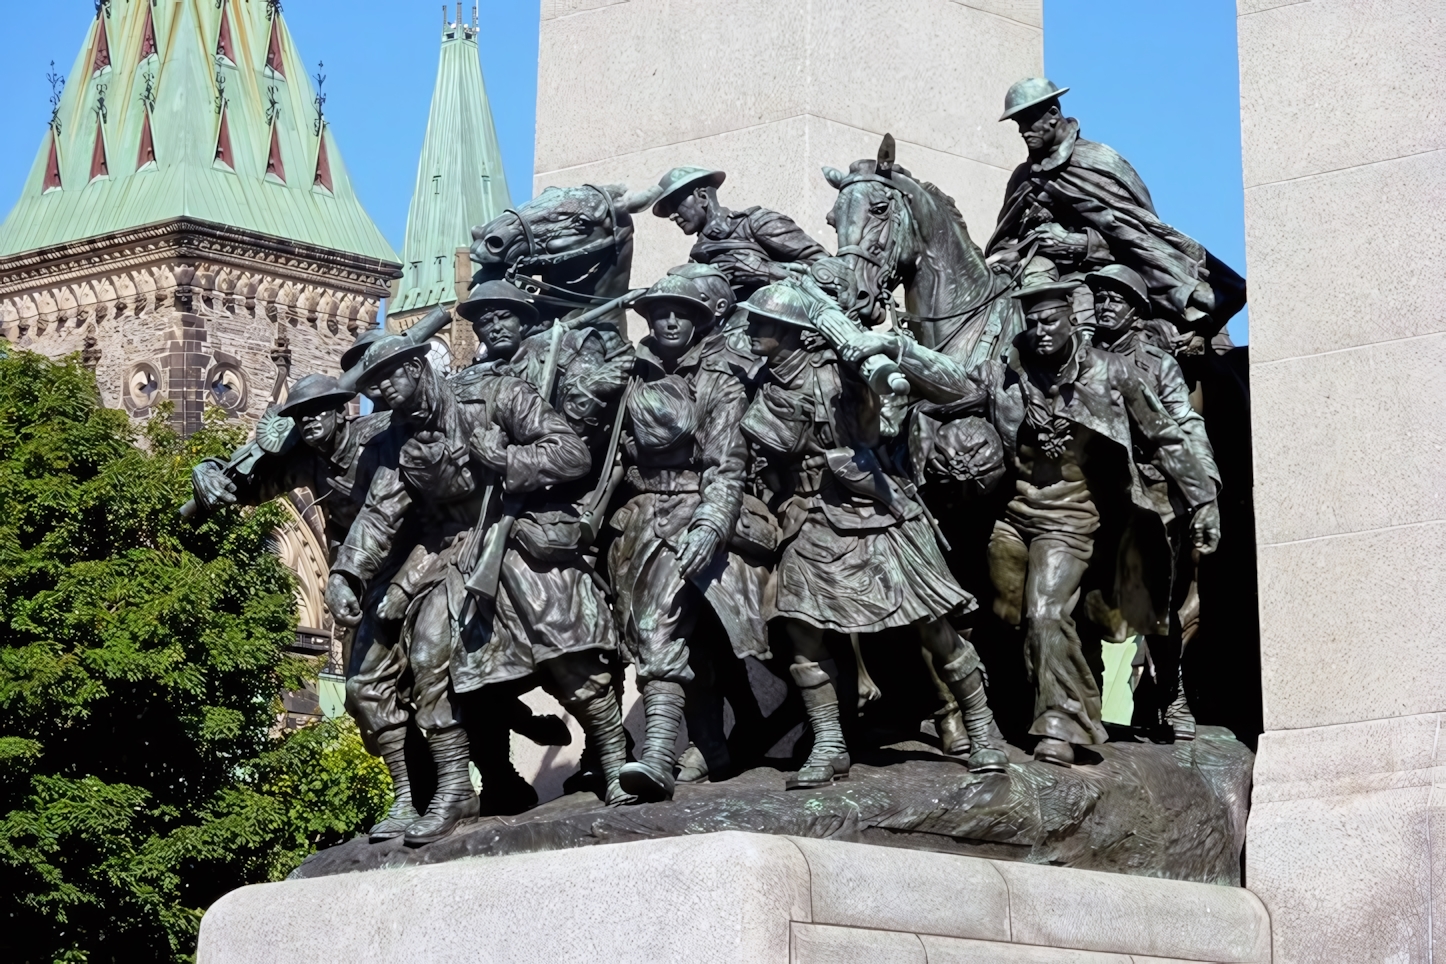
(532, 259)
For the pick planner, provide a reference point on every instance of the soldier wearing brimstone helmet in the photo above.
(1068, 416)
(1083, 206)
(753, 247)
(685, 459)
(429, 503)
(569, 635)
(858, 553)
(1122, 317)
(328, 461)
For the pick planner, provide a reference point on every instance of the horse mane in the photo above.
(945, 201)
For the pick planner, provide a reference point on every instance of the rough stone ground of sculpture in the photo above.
(1152, 810)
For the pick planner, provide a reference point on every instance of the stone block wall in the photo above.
(1342, 103)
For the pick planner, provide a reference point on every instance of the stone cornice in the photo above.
(183, 239)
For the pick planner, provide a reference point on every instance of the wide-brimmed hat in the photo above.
(358, 348)
(782, 303)
(1027, 93)
(313, 395)
(1123, 279)
(675, 290)
(386, 354)
(681, 180)
(1057, 290)
(492, 295)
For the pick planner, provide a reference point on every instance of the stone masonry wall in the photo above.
(1342, 104)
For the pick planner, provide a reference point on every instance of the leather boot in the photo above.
(602, 721)
(393, 746)
(703, 712)
(985, 755)
(692, 765)
(953, 734)
(829, 760)
(1059, 733)
(454, 799)
(651, 778)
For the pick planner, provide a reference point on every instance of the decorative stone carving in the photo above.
(224, 290)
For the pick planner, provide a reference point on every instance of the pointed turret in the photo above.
(189, 205)
(172, 71)
(460, 184)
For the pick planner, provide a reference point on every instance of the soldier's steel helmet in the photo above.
(710, 281)
(680, 293)
(681, 180)
(1027, 93)
(782, 303)
(386, 354)
(358, 348)
(491, 295)
(1123, 279)
(313, 395)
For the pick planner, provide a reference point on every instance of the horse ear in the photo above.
(886, 156)
(834, 176)
(635, 201)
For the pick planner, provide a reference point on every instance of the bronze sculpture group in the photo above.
(787, 457)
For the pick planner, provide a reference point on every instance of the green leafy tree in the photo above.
(141, 661)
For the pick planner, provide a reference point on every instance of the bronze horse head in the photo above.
(894, 229)
(577, 241)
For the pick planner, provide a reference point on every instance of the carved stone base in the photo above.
(1157, 811)
(739, 898)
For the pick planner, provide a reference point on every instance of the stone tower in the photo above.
(189, 227)
(460, 184)
(188, 220)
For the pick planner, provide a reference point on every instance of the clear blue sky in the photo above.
(1155, 79)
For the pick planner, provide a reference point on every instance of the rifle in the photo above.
(485, 577)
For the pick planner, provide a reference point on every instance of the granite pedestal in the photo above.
(735, 897)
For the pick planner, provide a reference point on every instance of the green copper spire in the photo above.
(192, 108)
(459, 178)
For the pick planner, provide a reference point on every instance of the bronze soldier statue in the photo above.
(1122, 326)
(859, 554)
(553, 618)
(1068, 416)
(1083, 206)
(433, 502)
(670, 565)
(327, 462)
(753, 247)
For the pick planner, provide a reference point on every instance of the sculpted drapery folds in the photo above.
(553, 617)
(454, 445)
(1083, 206)
(858, 552)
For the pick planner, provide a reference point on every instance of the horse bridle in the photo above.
(608, 248)
(890, 269)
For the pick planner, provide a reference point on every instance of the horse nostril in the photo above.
(495, 243)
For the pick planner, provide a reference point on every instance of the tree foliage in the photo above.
(141, 661)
